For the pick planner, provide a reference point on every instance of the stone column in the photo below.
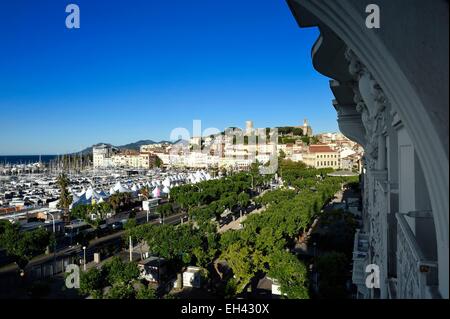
(381, 164)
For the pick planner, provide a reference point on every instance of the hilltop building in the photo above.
(248, 127)
(306, 128)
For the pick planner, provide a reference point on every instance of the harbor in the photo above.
(26, 193)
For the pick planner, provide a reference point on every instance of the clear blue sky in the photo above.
(137, 69)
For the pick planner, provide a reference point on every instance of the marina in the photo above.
(25, 194)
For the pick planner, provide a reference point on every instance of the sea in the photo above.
(25, 159)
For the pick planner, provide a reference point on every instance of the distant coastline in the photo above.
(25, 159)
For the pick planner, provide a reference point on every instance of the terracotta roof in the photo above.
(320, 149)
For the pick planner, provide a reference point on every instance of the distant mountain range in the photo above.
(131, 146)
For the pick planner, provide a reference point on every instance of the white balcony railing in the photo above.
(360, 257)
(413, 269)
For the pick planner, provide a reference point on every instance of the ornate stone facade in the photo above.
(375, 110)
(405, 176)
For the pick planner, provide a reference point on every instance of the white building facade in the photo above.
(105, 156)
(102, 156)
(391, 94)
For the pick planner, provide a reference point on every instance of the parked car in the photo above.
(78, 231)
(103, 228)
(116, 226)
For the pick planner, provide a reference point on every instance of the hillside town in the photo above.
(165, 165)
(225, 151)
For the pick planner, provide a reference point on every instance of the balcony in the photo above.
(360, 258)
(416, 275)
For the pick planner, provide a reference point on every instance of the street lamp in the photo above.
(53, 220)
(84, 257)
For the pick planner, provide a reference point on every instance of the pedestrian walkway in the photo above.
(237, 224)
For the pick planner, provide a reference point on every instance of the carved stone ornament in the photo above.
(374, 121)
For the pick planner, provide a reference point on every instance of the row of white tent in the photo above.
(156, 187)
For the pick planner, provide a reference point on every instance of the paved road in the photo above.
(93, 244)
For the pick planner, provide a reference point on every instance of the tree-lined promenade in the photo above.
(263, 245)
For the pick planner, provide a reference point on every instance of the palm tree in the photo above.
(145, 192)
(103, 209)
(65, 199)
(115, 201)
(126, 199)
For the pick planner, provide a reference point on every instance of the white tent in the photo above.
(156, 192)
(198, 174)
(81, 201)
(91, 194)
(103, 194)
(166, 190)
(120, 188)
(75, 197)
(166, 182)
(82, 193)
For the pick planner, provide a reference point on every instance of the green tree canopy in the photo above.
(92, 282)
(146, 292)
(118, 271)
(290, 273)
(23, 246)
(333, 274)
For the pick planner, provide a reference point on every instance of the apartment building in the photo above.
(322, 156)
